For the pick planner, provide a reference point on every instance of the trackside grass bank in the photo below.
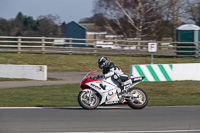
(159, 93)
(18, 79)
(83, 63)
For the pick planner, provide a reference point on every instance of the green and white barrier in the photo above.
(167, 72)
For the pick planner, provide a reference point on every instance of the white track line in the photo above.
(100, 107)
(110, 107)
(162, 131)
(20, 108)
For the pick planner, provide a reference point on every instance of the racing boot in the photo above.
(123, 90)
(125, 85)
(128, 82)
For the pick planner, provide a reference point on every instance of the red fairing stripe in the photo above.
(83, 89)
(87, 80)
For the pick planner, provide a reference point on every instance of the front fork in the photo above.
(88, 95)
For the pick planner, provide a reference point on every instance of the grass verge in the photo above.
(83, 63)
(159, 93)
(21, 79)
(13, 79)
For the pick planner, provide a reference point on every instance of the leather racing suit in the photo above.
(111, 70)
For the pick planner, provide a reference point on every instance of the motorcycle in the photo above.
(97, 90)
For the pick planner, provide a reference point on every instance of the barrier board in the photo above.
(36, 72)
(167, 72)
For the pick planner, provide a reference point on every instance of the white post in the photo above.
(19, 45)
(152, 47)
(151, 57)
(43, 45)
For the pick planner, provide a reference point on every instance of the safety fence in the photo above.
(95, 46)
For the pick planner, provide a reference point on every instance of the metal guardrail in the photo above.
(93, 46)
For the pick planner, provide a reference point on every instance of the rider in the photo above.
(111, 70)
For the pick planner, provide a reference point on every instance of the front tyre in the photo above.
(88, 101)
(141, 99)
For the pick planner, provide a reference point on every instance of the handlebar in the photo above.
(96, 77)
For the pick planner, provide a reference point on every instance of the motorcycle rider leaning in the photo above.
(111, 70)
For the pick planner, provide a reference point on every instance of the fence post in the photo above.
(19, 44)
(43, 45)
(95, 47)
(70, 46)
(139, 43)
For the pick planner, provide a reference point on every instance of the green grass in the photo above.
(172, 93)
(55, 95)
(159, 93)
(13, 79)
(21, 79)
(83, 63)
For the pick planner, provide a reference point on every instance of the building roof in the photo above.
(188, 27)
(91, 27)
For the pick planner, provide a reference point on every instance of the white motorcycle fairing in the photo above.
(109, 95)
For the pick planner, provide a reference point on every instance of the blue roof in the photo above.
(73, 22)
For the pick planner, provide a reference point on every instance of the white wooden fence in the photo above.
(92, 46)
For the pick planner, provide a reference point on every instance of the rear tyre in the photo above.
(88, 103)
(141, 101)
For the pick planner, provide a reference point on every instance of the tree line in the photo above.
(140, 19)
(23, 25)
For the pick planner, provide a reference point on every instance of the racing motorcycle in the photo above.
(97, 90)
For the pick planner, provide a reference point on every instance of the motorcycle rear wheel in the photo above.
(141, 101)
(85, 103)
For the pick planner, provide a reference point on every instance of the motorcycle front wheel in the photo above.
(88, 102)
(140, 101)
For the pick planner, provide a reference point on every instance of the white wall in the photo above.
(36, 72)
(190, 71)
(167, 72)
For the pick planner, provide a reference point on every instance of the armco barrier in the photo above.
(167, 72)
(36, 72)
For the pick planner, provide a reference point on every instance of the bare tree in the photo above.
(174, 11)
(132, 18)
(193, 10)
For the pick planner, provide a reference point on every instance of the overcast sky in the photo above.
(68, 10)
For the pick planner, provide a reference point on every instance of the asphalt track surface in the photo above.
(63, 78)
(183, 119)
